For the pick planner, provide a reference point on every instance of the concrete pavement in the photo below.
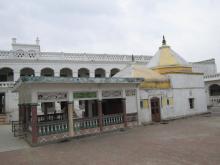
(190, 141)
(8, 142)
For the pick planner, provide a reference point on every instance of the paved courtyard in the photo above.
(191, 141)
(8, 142)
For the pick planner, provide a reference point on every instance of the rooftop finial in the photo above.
(13, 40)
(132, 58)
(164, 41)
(37, 41)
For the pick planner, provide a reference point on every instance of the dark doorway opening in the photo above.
(112, 106)
(109, 107)
(155, 109)
(91, 108)
(2, 103)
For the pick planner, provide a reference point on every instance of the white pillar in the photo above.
(75, 74)
(107, 74)
(16, 75)
(70, 118)
(37, 73)
(91, 74)
(57, 74)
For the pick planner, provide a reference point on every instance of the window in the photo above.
(168, 102)
(191, 103)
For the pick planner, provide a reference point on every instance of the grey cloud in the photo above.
(117, 26)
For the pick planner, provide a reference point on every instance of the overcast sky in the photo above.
(191, 27)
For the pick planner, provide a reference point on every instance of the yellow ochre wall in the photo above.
(155, 85)
(173, 69)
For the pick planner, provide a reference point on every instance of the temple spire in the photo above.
(164, 41)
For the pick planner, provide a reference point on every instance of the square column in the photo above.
(21, 114)
(27, 111)
(124, 112)
(33, 108)
(91, 74)
(99, 102)
(70, 118)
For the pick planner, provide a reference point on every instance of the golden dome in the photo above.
(166, 60)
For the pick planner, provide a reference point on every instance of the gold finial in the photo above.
(164, 41)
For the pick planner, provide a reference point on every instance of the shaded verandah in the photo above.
(56, 126)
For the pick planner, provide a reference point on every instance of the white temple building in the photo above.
(165, 93)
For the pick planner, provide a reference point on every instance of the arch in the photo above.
(155, 109)
(99, 72)
(114, 71)
(27, 72)
(66, 72)
(47, 72)
(83, 72)
(214, 90)
(6, 74)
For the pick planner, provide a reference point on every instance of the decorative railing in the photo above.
(73, 56)
(212, 77)
(214, 100)
(85, 123)
(51, 117)
(47, 128)
(112, 119)
(7, 84)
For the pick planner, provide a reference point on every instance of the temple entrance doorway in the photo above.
(2, 103)
(155, 109)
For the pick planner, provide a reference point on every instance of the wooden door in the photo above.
(155, 109)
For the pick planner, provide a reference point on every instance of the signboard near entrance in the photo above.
(52, 96)
(112, 94)
(83, 95)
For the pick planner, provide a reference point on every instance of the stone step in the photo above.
(3, 119)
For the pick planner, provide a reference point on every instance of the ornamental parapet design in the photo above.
(87, 57)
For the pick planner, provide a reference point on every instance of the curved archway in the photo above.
(83, 72)
(214, 90)
(66, 72)
(114, 71)
(48, 72)
(27, 72)
(99, 72)
(6, 74)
